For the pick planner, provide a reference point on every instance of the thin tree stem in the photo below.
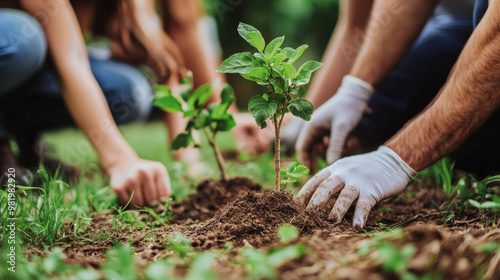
(277, 153)
(218, 156)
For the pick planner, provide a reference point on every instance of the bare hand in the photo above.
(144, 181)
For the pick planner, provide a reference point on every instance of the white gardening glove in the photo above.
(368, 177)
(336, 118)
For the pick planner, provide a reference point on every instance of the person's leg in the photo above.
(411, 86)
(22, 53)
(127, 91)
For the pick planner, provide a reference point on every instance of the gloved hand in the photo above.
(335, 118)
(368, 177)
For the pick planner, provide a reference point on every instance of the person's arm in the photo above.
(89, 109)
(342, 49)
(180, 18)
(470, 96)
(393, 27)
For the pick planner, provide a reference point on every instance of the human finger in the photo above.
(149, 190)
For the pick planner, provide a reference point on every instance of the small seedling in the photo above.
(272, 67)
(293, 173)
(209, 121)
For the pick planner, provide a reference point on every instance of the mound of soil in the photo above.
(210, 196)
(254, 218)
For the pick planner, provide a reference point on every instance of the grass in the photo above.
(56, 213)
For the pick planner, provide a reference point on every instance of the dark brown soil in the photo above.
(253, 218)
(447, 247)
(209, 197)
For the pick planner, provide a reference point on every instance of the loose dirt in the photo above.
(253, 218)
(237, 213)
(209, 197)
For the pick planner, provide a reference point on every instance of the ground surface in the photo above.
(235, 230)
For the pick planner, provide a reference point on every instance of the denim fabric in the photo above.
(30, 99)
(22, 51)
(479, 10)
(127, 91)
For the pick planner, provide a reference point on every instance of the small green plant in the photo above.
(392, 259)
(272, 67)
(263, 265)
(120, 263)
(293, 173)
(209, 121)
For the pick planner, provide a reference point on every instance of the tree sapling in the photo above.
(272, 67)
(209, 120)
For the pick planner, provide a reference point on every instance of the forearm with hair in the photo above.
(393, 26)
(470, 96)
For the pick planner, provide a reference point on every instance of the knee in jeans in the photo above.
(22, 45)
(26, 38)
(135, 101)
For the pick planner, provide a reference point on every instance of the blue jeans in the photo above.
(30, 97)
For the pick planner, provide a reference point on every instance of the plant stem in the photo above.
(218, 156)
(277, 153)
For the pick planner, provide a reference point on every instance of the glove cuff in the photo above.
(410, 172)
(358, 88)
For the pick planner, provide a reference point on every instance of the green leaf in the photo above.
(273, 47)
(289, 71)
(193, 98)
(252, 35)
(225, 124)
(162, 90)
(292, 166)
(186, 93)
(258, 74)
(297, 54)
(165, 100)
(180, 245)
(279, 84)
(261, 109)
(241, 63)
(226, 94)
(302, 108)
(289, 52)
(279, 256)
(181, 141)
(203, 119)
(305, 71)
(203, 95)
(278, 59)
(297, 170)
(219, 111)
(287, 233)
(299, 92)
